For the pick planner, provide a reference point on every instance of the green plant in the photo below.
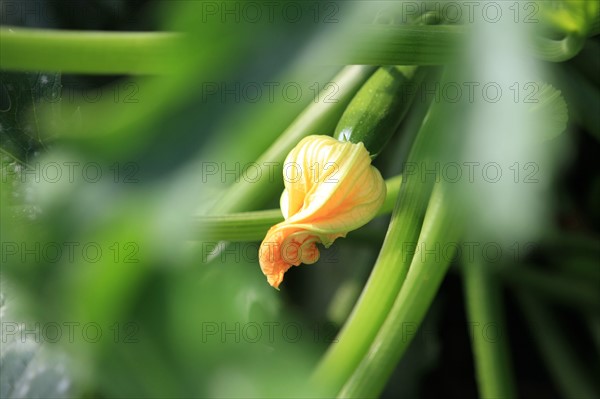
(130, 223)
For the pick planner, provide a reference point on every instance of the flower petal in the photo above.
(330, 188)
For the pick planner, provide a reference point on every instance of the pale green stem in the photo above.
(384, 283)
(427, 270)
(97, 52)
(485, 313)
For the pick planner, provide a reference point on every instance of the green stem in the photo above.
(86, 51)
(153, 52)
(252, 226)
(491, 353)
(393, 45)
(148, 52)
(240, 226)
(427, 270)
(568, 372)
(388, 274)
(423, 45)
(558, 50)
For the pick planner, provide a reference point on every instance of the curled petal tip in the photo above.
(275, 280)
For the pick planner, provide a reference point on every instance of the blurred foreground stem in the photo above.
(484, 308)
(86, 51)
(98, 52)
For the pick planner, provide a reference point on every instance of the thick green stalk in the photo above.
(428, 267)
(396, 45)
(86, 51)
(152, 52)
(252, 226)
(483, 300)
(149, 52)
(385, 280)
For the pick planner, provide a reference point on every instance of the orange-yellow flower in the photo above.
(331, 188)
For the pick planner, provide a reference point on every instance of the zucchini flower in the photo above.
(331, 188)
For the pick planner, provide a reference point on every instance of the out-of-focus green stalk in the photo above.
(558, 50)
(252, 226)
(148, 52)
(318, 118)
(568, 372)
(428, 45)
(483, 300)
(427, 270)
(397, 45)
(85, 51)
(151, 52)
